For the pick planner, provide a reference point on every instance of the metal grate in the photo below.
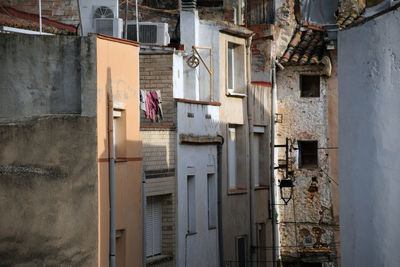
(147, 33)
(104, 26)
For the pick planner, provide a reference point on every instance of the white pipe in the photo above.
(275, 229)
(40, 16)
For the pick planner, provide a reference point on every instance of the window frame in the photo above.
(237, 68)
(301, 154)
(302, 85)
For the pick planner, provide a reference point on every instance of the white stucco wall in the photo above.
(200, 249)
(369, 126)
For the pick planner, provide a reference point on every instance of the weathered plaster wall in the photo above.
(235, 203)
(118, 74)
(201, 248)
(49, 191)
(309, 213)
(368, 140)
(48, 162)
(34, 82)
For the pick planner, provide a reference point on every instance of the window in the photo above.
(212, 200)
(309, 85)
(260, 158)
(241, 251)
(153, 226)
(232, 157)
(191, 204)
(308, 154)
(119, 133)
(236, 157)
(236, 70)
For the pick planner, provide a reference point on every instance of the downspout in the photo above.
(275, 236)
(144, 201)
(40, 16)
(111, 162)
(250, 128)
(219, 179)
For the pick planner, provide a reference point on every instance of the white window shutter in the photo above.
(157, 227)
(149, 227)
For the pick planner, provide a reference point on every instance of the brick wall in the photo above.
(159, 149)
(65, 11)
(156, 74)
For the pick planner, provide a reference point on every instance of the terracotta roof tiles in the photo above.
(306, 47)
(18, 19)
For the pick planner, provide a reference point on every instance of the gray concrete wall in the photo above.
(48, 163)
(48, 191)
(369, 126)
(43, 75)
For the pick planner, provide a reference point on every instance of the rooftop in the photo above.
(306, 47)
(18, 19)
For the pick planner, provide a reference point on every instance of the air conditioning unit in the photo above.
(149, 32)
(91, 11)
(109, 26)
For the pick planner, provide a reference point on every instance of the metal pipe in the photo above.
(40, 16)
(275, 236)
(137, 21)
(219, 179)
(144, 201)
(251, 135)
(111, 168)
(126, 20)
(80, 17)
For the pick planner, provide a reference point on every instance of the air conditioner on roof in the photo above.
(109, 26)
(149, 32)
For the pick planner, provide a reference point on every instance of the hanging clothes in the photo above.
(153, 107)
(143, 100)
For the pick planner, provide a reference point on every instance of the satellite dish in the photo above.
(103, 12)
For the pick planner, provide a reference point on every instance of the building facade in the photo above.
(368, 89)
(56, 150)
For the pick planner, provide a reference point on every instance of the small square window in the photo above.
(308, 154)
(309, 85)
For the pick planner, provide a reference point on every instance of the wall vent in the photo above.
(188, 4)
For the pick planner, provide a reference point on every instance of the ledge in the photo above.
(200, 140)
(191, 233)
(212, 228)
(239, 95)
(157, 259)
(197, 102)
(261, 187)
(237, 191)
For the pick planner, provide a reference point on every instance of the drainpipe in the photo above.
(40, 16)
(275, 235)
(144, 201)
(219, 179)
(250, 126)
(111, 162)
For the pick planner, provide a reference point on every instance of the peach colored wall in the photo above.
(117, 71)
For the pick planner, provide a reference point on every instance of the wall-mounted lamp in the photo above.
(286, 189)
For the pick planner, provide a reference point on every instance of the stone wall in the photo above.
(306, 224)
